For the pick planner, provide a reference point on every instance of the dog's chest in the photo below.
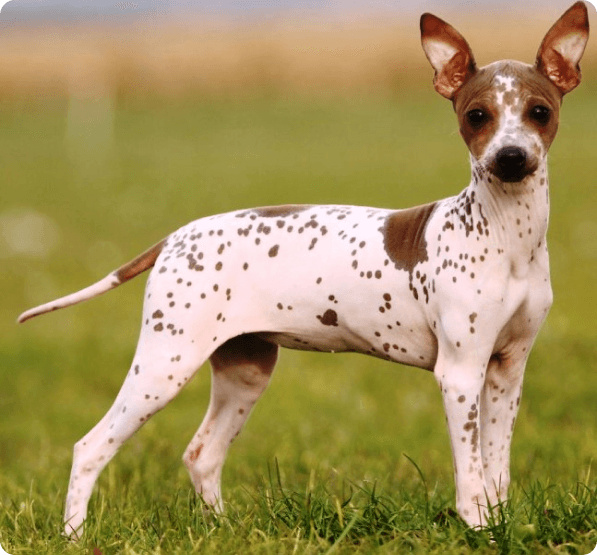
(529, 297)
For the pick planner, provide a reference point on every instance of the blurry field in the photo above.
(99, 165)
(346, 55)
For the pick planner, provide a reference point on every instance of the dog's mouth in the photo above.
(511, 164)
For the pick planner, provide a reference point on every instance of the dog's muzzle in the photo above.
(511, 164)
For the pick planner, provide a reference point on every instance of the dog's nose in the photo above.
(511, 162)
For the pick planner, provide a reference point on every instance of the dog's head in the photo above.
(508, 111)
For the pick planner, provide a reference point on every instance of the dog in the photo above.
(459, 287)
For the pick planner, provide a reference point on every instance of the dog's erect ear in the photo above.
(563, 47)
(449, 54)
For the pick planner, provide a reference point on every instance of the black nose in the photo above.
(510, 163)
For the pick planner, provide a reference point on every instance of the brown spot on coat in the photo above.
(280, 211)
(139, 264)
(404, 236)
(194, 455)
(329, 318)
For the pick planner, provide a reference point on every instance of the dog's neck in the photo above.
(517, 213)
(501, 115)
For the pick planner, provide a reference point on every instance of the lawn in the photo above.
(345, 454)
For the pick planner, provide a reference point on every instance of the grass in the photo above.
(345, 454)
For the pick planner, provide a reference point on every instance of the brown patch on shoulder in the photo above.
(280, 211)
(404, 236)
(140, 263)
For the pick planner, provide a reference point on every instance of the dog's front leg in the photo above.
(461, 379)
(499, 406)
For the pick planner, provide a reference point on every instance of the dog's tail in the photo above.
(125, 273)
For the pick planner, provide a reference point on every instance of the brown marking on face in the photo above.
(404, 236)
(547, 131)
(280, 211)
(532, 89)
(140, 263)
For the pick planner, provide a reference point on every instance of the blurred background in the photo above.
(182, 49)
(120, 122)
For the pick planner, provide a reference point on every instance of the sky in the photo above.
(24, 12)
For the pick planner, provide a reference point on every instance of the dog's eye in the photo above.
(477, 117)
(541, 114)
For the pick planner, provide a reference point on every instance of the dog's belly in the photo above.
(311, 342)
(420, 351)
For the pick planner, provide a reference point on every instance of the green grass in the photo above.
(345, 454)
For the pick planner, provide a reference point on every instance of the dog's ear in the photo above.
(449, 54)
(563, 47)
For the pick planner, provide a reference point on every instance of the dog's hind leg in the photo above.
(241, 369)
(161, 367)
